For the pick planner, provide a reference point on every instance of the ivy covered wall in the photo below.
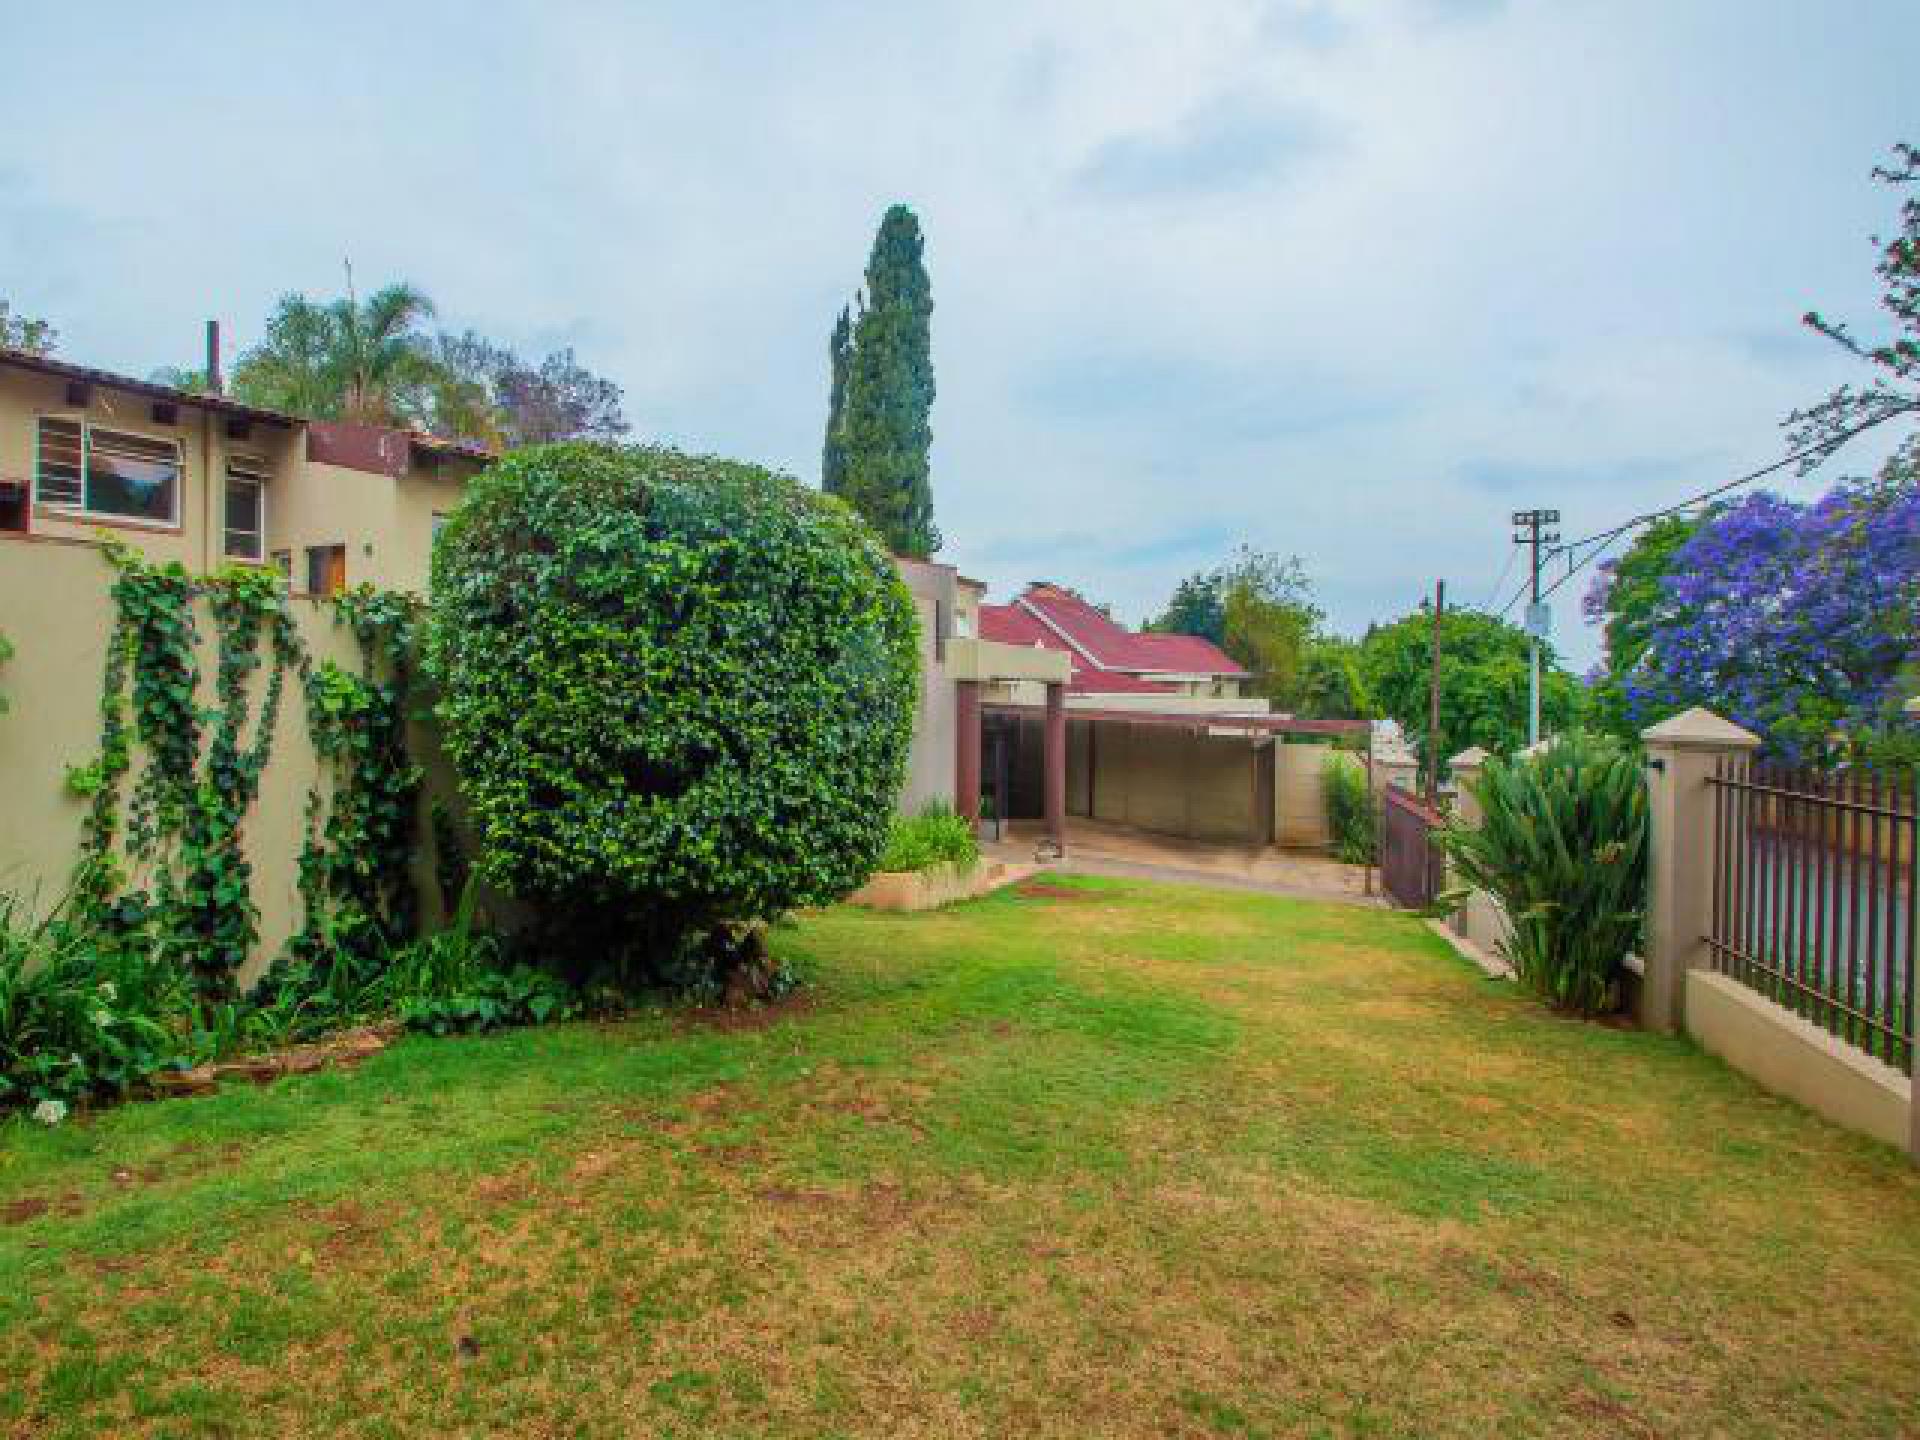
(77, 747)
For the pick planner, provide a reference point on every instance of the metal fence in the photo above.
(1411, 867)
(1814, 898)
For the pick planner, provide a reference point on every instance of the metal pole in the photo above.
(1531, 522)
(1433, 698)
(1533, 692)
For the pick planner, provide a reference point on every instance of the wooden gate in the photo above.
(1411, 868)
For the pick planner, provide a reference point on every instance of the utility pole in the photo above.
(1433, 698)
(1532, 525)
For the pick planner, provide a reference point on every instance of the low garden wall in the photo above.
(934, 887)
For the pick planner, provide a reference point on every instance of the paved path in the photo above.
(1101, 849)
(1085, 864)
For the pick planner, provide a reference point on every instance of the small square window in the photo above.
(326, 569)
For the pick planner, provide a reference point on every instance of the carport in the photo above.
(1210, 777)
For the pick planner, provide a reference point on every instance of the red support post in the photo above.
(966, 757)
(1054, 754)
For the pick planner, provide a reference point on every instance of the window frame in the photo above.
(83, 511)
(256, 474)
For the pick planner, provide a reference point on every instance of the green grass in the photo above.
(1117, 1160)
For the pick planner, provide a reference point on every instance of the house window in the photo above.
(326, 569)
(246, 508)
(108, 474)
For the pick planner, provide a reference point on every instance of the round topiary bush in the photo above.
(678, 692)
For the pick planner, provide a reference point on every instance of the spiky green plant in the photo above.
(1562, 845)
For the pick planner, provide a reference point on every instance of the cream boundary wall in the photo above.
(56, 610)
(1299, 793)
(1674, 988)
(1796, 1058)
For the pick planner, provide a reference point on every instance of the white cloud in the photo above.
(1337, 278)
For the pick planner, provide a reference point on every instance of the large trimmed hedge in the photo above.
(678, 690)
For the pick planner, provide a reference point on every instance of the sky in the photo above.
(1350, 281)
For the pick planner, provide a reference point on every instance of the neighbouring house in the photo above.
(1111, 663)
(1045, 708)
(207, 480)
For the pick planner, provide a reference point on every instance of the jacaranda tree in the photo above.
(678, 692)
(1794, 620)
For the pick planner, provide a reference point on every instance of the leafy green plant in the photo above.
(355, 880)
(84, 1013)
(678, 692)
(494, 1000)
(1352, 816)
(938, 835)
(1562, 845)
(174, 848)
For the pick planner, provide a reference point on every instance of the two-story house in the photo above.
(207, 480)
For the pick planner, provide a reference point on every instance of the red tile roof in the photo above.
(1011, 625)
(1111, 647)
(1106, 659)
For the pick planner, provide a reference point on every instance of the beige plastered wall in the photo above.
(1795, 1058)
(930, 762)
(197, 538)
(56, 610)
(386, 525)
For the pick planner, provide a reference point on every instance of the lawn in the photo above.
(1102, 1159)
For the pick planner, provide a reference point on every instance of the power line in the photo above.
(1825, 447)
(1513, 554)
(1603, 540)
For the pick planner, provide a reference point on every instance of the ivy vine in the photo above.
(173, 857)
(354, 871)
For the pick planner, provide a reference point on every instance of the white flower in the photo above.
(107, 991)
(50, 1112)
(102, 1018)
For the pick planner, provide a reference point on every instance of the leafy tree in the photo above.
(885, 432)
(1198, 607)
(23, 332)
(1332, 684)
(1626, 599)
(349, 359)
(1483, 681)
(833, 453)
(560, 399)
(193, 382)
(1893, 391)
(1795, 620)
(477, 390)
(1268, 620)
(678, 692)
(1259, 608)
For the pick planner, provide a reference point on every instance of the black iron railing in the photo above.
(1814, 898)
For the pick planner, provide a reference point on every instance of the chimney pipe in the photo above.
(215, 385)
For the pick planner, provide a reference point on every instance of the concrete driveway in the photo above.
(1098, 848)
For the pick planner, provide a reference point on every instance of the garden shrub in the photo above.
(1562, 845)
(85, 1012)
(938, 835)
(678, 693)
(1352, 816)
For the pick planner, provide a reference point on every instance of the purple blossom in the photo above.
(1793, 620)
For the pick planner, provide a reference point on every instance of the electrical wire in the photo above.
(1513, 554)
(1603, 540)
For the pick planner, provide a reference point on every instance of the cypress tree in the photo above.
(885, 430)
(833, 454)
